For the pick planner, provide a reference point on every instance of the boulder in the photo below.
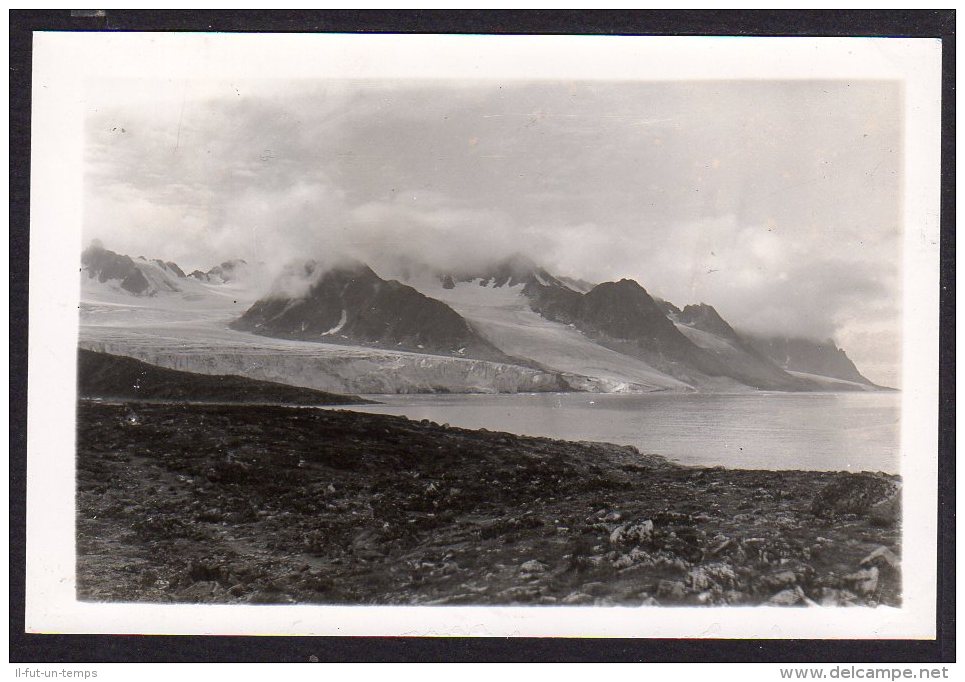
(632, 533)
(671, 589)
(532, 566)
(788, 597)
(887, 512)
(520, 593)
(623, 561)
(711, 577)
(859, 494)
(832, 597)
(577, 599)
(882, 558)
(203, 591)
(269, 596)
(780, 579)
(864, 581)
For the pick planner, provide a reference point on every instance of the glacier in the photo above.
(188, 330)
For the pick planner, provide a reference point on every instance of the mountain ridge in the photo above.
(610, 336)
(137, 276)
(800, 354)
(623, 316)
(349, 301)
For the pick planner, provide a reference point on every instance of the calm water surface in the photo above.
(818, 431)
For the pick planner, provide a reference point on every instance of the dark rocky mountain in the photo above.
(623, 316)
(169, 266)
(618, 310)
(351, 303)
(228, 271)
(706, 318)
(668, 308)
(624, 310)
(512, 271)
(741, 359)
(576, 284)
(223, 273)
(805, 355)
(138, 276)
(104, 265)
(113, 377)
(557, 303)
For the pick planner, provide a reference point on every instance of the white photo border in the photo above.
(64, 62)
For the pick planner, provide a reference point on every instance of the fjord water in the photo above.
(813, 431)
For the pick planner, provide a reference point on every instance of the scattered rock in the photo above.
(779, 579)
(532, 566)
(458, 598)
(623, 561)
(882, 558)
(886, 512)
(833, 597)
(864, 581)
(577, 598)
(202, 591)
(208, 570)
(595, 588)
(520, 593)
(788, 597)
(735, 597)
(632, 534)
(671, 589)
(729, 542)
(269, 596)
(855, 494)
(711, 577)
(409, 507)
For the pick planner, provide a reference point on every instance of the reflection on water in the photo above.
(819, 431)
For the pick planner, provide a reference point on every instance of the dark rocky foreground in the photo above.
(226, 504)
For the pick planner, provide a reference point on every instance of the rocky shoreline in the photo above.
(251, 504)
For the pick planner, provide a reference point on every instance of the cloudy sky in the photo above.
(776, 202)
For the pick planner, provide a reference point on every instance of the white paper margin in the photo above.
(63, 61)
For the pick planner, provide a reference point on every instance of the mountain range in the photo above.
(139, 276)
(608, 336)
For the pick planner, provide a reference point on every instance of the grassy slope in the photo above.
(214, 503)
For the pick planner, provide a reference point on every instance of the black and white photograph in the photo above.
(572, 345)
